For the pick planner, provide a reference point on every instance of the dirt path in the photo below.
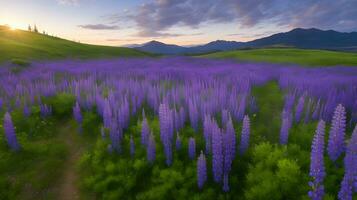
(68, 189)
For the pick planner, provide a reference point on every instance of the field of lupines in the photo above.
(184, 128)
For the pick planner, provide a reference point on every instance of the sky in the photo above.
(182, 22)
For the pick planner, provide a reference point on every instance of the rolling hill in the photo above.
(18, 44)
(297, 38)
(290, 56)
(161, 48)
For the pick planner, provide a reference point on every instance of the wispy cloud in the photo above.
(154, 19)
(99, 27)
(68, 2)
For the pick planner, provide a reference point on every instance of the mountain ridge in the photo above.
(310, 38)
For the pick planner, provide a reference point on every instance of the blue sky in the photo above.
(184, 22)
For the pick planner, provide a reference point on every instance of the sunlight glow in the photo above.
(12, 28)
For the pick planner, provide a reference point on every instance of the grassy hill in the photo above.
(18, 44)
(290, 56)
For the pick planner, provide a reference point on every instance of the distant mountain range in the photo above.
(298, 38)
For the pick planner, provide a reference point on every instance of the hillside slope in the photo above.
(290, 56)
(17, 44)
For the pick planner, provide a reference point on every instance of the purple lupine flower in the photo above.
(144, 131)
(346, 190)
(27, 111)
(232, 137)
(244, 142)
(193, 114)
(107, 114)
(229, 143)
(299, 108)
(217, 153)
(115, 134)
(17, 103)
(289, 101)
(315, 114)
(151, 149)
(201, 170)
(317, 168)
(166, 131)
(285, 127)
(132, 146)
(10, 134)
(191, 148)
(77, 113)
(225, 117)
(337, 133)
(350, 177)
(225, 183)
(207, 132)
(178, 141)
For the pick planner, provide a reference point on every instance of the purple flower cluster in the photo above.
(299, 108)
(336, 142)
(229, 141)
(207, 132)
(151, 149)
(10, 134)
(144, 131)
(223, 149)
(217, 153)
(191, 148)
(285, 127)
(317, 168)
(27, 111)
(182, 90)
(244, 142)
(201, 170)
(349, 182)
(166, 131)
(77, 113)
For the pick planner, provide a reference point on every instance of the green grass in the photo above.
(18, 44)
(290, 56)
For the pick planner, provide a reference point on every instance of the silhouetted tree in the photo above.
(35, 29)
(29, 28)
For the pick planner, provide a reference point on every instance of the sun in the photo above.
(12, 28)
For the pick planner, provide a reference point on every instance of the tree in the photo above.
(35, 29)
(29, 28)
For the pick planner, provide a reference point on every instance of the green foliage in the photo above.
(28, 174)
(290, 56)
(20, 62)
(266, 123)
(91, 123)
(266, 171)
(273, 175)
(62, 105)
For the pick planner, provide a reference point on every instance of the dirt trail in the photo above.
(68, 189)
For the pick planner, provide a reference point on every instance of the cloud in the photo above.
(154, 19)
(68, 2)
(99, 27)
